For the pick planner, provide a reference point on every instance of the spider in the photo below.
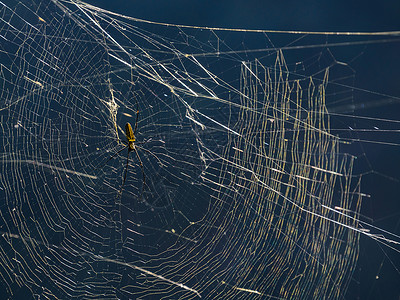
(132, 145)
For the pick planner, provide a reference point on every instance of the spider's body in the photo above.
(132, 145)
(130, 136)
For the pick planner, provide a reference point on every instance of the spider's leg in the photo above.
(126, 172)
(137, 118)
(151, 153)
(141, 166)
(143, 142)
(115, 154)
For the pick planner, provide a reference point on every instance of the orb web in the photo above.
(247, 191)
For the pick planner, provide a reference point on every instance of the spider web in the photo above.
(253, 165)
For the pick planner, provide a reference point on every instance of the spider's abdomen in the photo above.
(129, 135)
